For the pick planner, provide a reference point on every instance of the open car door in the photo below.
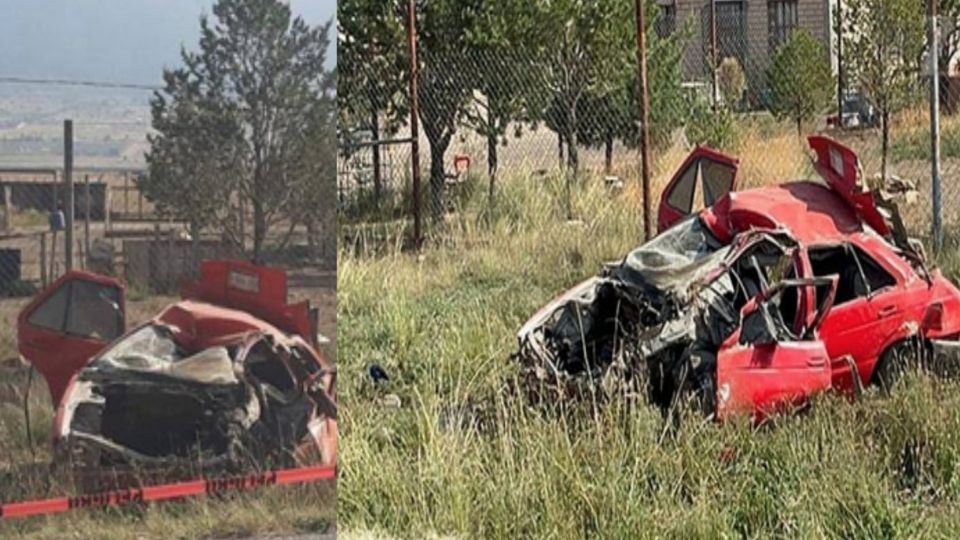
(839, 167)
(769, 363)
(68, 323)
(703, 178)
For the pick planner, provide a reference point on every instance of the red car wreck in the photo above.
(228, 378)
(759, 300)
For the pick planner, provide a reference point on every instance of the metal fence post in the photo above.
(68, 183)
(935, 125)
(414, 124)
(714, 63)
(840, 64)
(644, 116)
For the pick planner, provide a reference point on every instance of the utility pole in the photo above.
(414, 125)
(935, 125)
(68, 182)
(644, 114)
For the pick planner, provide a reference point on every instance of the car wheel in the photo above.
(895, 361)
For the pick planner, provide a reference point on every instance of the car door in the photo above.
(867, 311)
(763, 366)
(68, 323)
(705, 172)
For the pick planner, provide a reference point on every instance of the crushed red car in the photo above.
(228, 378)
(754, 303)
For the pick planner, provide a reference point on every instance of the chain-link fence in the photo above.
(539, 89)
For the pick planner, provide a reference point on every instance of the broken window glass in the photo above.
(681, 197)
(858, 273)
(52, 313)
(147, 348)
(94, 311)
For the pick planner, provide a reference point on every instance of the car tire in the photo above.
(895, 361)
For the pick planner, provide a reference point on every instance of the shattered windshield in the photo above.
(148, 347)
(679, 251)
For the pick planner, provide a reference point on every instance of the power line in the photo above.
(77, 82)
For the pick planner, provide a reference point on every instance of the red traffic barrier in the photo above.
(163, 492)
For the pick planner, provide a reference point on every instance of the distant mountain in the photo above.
(113, 40)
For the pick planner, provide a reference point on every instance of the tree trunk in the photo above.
(437, 180)
(885, 143)
(377, 178)
(259, 229)
(312, 249)
(194, 249)
(492, 161)
(560, 146)
(799, 127)
(573, 157)
(608, 153)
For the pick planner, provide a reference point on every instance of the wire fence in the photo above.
(506, 91)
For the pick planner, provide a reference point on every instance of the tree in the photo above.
(371, 54)
(502, 72)
(800, 80)
(259, 71)
(314, 178)
(193, 153)
(615, 115)
(588, 48)
(884, 44)
(444, 83)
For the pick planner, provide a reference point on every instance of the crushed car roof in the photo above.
(811, 211)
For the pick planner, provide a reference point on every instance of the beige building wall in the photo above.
(813, 15)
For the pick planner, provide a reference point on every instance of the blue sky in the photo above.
(113, 40)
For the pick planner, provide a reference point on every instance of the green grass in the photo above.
(463, 456)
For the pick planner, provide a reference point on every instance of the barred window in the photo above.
(731, 30)
(782, 17)
(666, 21)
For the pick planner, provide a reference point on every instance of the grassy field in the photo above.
(461, 456)
(25, 474)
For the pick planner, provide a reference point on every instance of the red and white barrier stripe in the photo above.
(163, 492)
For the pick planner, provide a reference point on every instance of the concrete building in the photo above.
(748, 30)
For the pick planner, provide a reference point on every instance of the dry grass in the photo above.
(462, 457)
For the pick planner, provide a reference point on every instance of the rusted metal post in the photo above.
(70, 200)
(86, 214)
(43, 259)
(714, 64)
(644, 116)
(935, 125)
(839, 64)
(414, 125)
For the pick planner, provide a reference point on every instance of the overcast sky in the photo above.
(114, 40)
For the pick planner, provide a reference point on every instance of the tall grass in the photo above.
(463, 456)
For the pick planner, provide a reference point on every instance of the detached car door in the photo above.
(764, 366)
(68, 323)
(705, 172)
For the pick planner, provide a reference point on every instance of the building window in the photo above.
(666, 21)
(731, 31)
(782, 17)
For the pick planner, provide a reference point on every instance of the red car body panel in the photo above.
(58, 355)
(669, 213)
(821, 215)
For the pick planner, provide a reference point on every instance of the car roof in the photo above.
(200, 325)
(810, 211)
